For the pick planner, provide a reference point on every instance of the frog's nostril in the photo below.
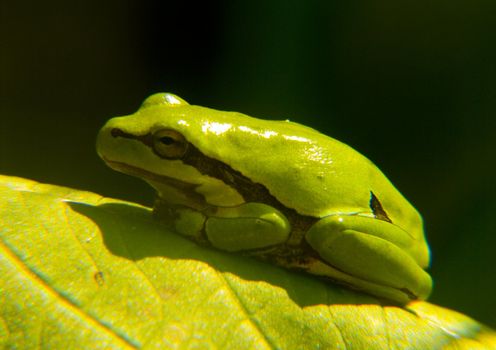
(115, 132)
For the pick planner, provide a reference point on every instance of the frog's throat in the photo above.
(186, 188)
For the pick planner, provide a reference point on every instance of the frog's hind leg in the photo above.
(370, 250)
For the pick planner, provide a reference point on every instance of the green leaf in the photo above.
(82, 271)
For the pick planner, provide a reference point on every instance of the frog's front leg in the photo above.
(244, 227)
(247, 226)
(371, 250)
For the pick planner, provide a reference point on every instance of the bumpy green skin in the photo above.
(276, 190)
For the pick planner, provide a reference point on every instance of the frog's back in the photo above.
(303, 168)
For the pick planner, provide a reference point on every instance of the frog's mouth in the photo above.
(168, 188)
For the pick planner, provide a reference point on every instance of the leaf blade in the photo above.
(79, 269)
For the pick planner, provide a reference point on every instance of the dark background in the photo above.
(411, 84)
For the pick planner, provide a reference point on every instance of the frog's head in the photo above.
(151, 144)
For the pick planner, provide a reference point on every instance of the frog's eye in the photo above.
(165, 100)
(169, 144)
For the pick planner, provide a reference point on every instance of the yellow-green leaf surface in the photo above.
(81, 271)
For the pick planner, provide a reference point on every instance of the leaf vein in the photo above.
(339, 331)
(247, 314)
(386, 327)
(129, 253)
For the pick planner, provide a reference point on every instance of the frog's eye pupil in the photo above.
(169, 144)
(167, 140)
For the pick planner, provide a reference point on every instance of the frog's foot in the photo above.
(246, 227)
(371, 251)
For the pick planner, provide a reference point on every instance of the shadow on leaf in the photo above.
(129, 231)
